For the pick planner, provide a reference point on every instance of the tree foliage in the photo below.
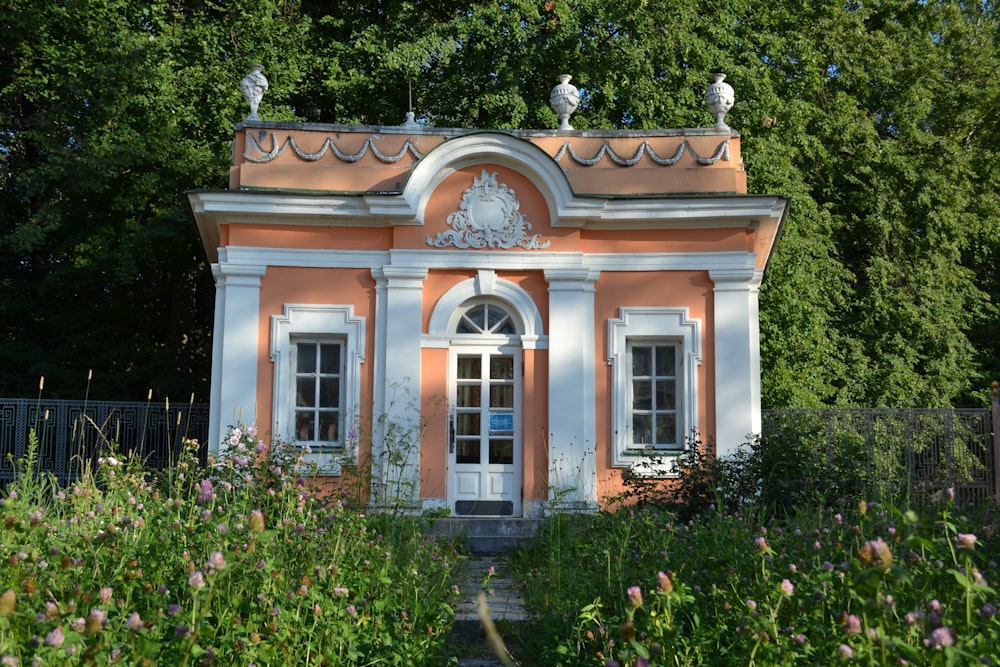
(876, 118)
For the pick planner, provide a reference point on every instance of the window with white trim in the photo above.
(317, 350)
(654, 353)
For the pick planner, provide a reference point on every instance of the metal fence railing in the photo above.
(71, 432)
(908, 450)
(898, 451)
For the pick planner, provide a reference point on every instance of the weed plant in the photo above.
(736, 583)
(242, 562)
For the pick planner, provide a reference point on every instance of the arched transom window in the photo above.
(485, 319)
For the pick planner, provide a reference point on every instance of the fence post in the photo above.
(996, 440)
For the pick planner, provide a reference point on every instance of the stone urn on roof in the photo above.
(564, 99)
(253, 86)
(720, 99)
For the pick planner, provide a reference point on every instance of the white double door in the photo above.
(484, 449)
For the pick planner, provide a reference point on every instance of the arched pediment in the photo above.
(493, 148)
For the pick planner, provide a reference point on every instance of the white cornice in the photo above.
(492, 260)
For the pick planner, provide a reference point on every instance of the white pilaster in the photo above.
(737, 357)
(396, 417)
(572, 399)
(235, 347)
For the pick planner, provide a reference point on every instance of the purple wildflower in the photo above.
(95, 621)
(941, 637)
(104, 595)
(787, 587)
(635, 597)
(351, 611)
(965, 541)
(204, 491)
(134, 622)
(845, 652)
(196, 580)
(852, 625)
(55, 638)
(215, 562)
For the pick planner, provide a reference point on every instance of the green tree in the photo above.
(876, 119)
(109, 111)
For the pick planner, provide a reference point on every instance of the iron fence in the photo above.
(70, 433)
(894, 452)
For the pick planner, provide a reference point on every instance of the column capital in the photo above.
(736, 280)
(571, 278)
(231, 273)
(400, 276)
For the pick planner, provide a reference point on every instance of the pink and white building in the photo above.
(493, 320)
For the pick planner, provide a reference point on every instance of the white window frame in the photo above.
(649, 326)
(318, 323)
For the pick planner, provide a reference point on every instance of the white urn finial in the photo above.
(720, 99)
(564, 99)
(253, 86)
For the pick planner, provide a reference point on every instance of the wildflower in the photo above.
(78, 624)
(55, 638)
(989, 610)
(95, 621)
(8, 602)
(877, 553)
(10, 661)
(852, 625)
(787, 587)
(351, 611)
(941, 637)
(664, 583)
(215, 562)
(752, 605)
(174, 609)
(950, 493)
(204, 491)
(134, 622)
(51, 610)
(104, 595)
(965, 541)
(845, 652)
(256, 521)
(862, 506)
(762, 546)
(611, 662)
(196, 580)
(635, 597)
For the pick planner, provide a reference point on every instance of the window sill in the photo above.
(658, 465)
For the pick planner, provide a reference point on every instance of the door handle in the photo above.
(451, 433)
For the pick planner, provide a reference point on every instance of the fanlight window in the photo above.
(486, 318)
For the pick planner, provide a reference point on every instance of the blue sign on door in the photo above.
(501, 422)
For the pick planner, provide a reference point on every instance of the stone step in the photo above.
(487, 535)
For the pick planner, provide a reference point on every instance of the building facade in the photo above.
(494, 321)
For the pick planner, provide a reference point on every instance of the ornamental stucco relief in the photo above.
(488, 217)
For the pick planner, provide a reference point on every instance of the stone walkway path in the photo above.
(471, 641)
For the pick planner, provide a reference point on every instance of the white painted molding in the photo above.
(491, 260)
(444, 317)
(663, 323)
(737, 357)
(315, 320)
